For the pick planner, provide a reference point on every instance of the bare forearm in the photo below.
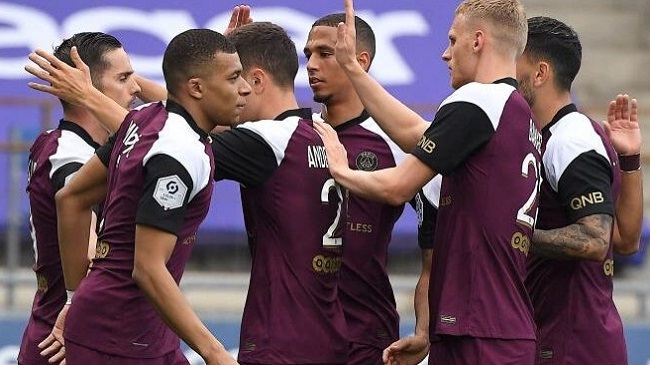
(421, 297)
(149, 90)
(402, 125)
(109, 113)
(376, 185)
(73, 240)
(586, 239)
(629, 213)
(173, 308)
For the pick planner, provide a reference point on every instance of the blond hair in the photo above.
(507, 18)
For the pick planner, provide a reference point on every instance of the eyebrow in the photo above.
(319, 47)
(126, 73)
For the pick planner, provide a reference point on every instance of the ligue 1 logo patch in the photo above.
(367, 161)
(170, 192)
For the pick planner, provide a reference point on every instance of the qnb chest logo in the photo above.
(170, 192)
(367, 161)
(586, 200)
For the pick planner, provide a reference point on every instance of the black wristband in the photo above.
(630, 163)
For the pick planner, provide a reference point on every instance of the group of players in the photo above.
(320, 199)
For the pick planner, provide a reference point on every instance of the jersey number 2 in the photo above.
(333, 235)
(525, 215)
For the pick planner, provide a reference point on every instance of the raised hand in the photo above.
(53, 345)
(406, 351)
(241, 15)
(346, 42)
(71, 84)
(622, 125)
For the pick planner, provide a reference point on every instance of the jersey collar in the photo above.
(302, 113)
(508, 80)
(352, 122)
(174, 107)
(78, 130)
(568, 109)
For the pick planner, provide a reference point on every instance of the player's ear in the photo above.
(543, 73)
(363, 58)
(479, 40)
(195, 87)
(257, 80)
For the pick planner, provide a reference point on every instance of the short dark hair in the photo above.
(365, 35)
(191, 54)
(267, 46)
(555, 42)
(92, 47)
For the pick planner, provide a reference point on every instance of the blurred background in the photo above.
(411, 36)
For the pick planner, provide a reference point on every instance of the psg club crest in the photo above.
(367, 161)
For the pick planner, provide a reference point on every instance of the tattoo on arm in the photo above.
(588, 238)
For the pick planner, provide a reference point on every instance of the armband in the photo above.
(630, 163)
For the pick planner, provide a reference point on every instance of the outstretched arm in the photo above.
(622, 127)
(73, 84)
(587, 239)
(402, 125)
(394, 186)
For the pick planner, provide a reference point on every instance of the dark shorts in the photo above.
(34, 334)
(362, 354)
(78, 355)
(463, 350)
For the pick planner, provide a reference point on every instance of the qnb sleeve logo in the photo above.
(170, 192)
(586, 200)
(426, 144)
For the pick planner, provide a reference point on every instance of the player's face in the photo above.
(459, 54)
(225, 91)
(327, 79)
(525, 77)
(253, 102)
(117, 81)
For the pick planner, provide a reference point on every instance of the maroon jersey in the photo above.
(159, 175)
(365, 291)
(294, 214)
(486, 145)
(577, 322)
(54, 157)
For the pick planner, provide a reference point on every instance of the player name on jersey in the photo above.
(316, 157)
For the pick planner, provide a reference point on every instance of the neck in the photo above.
(338, 113)
(493, 67)
(547, 104)
(192, 107)
(277, 102)
(83, 118)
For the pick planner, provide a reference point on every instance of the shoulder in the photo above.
(478, 98)
(275, 133)
(489, 97)
(270, 129)
(573, 135)
(176, 139)
(70, 148)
